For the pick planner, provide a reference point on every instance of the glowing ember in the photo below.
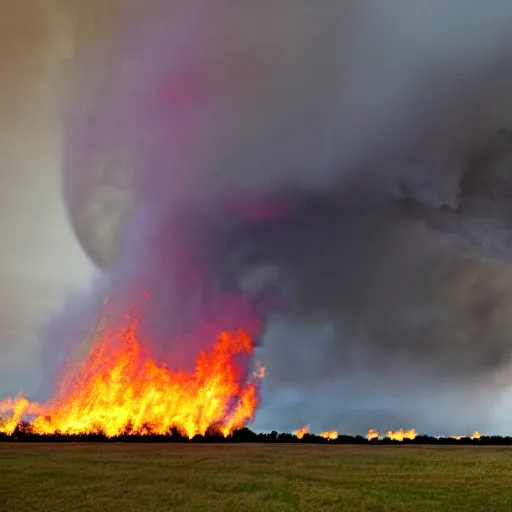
(299, 434)
(373, 434)
(118, 388)
(400, 435)
(457, 438)
(331, 436)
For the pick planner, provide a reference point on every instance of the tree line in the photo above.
(24, 433)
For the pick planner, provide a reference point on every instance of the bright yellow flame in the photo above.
(15, 409)
(400, 435)
(476, 435)
(331, 436)
(118, 386)
(373, 434)
(301, 432)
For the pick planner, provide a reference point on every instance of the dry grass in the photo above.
(244, 478)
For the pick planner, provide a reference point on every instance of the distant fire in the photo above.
(118, 388)
(475, 435)
(299, 434)
(400, 435)
(373, 434)
(331, 436)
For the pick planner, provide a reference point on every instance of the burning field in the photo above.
(112, 388)
(281, 228)
(118, 388)
(117, 391)
(297, 224)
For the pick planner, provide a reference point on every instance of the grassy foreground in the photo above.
(243, 478)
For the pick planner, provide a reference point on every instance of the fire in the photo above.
(475, 435)
(301, 432)
(373, 434)
(17, 409)
(118, 388)
(331, 436)
(400, 435)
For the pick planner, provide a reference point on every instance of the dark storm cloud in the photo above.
(369, 123)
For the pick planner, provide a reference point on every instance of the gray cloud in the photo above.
(371, 125)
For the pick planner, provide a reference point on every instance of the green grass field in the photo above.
(240, 478)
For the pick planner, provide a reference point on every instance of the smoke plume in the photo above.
(353, 155)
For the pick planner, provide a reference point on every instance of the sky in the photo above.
(373, 125)
(41, 262)
(40, 258)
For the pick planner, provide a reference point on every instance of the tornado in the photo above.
(346, 166)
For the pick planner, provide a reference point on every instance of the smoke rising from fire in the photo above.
(343, 153)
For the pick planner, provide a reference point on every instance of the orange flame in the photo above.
(400, 435)
(301, 432)
(331, 436)
(373, 434)
(475, 435)
(117, 387)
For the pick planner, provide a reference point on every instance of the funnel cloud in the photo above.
(353, 156)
